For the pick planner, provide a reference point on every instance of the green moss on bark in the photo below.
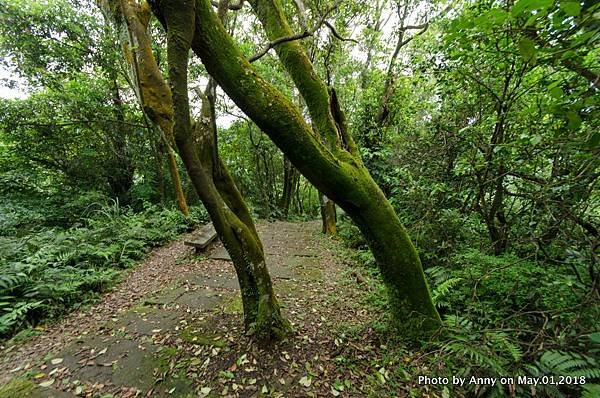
(340, 175)
(262, 313)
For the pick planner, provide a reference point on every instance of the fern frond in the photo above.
(443, 289)
(16, 314)
(565, 363)
(10, 281)
(591, 391)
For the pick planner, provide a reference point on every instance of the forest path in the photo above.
(174, 327)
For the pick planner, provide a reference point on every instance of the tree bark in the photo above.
(169, 108)
(328, 215)
(290, 182)
(328, 157)
(176, 180)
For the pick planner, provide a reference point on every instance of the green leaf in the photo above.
(574, 121)
(595, 337)
(591, 101)
(529, 5)
(493, 17)
(556, 92)
(542, 4)
(532, 19)
(594, 142)
(536, 139)
(582, 38)
(569, 54)
(527, 48)
(521, 6)
(571, 8)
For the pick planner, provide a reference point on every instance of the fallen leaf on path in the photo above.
(47, 383)
(305, 381)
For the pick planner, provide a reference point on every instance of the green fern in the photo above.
(478, 355)
(569, 364)
(64, 268)
(561, 363)
(438, 274)
(442, 282)
(442, 290)
(11, 281)
(591, 391)
(16, 315)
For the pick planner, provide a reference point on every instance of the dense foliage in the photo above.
(489, 151)
(57, 254)
(479, 121)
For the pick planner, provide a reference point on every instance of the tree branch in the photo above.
(275, 42)
(337, 35)
(234, 7)
(421, 26)
(78, 122)
(295, 37)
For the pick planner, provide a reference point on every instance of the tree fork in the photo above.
(263, 317)
(261, 311)
(341, 176)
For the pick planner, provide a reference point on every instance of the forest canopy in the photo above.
(450, 151)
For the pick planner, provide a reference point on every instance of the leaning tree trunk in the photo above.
(176, 180)
(263, 317)
(131, 20)
(169, 109)
(327, 157)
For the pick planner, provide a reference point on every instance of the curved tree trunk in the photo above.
(169, 109)
(262, 314)
(328, 157)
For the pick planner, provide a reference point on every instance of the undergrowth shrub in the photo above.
(45, 272)
(504, 315)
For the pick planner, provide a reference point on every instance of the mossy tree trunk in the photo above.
(328, 215)
(131, 19)
(290, 183)
(169, 108)
(176, 180)
(326, 155)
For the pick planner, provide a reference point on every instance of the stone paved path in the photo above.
(117, 347)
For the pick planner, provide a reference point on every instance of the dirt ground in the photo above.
(174, 328)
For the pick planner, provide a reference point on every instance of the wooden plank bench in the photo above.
(205, 236)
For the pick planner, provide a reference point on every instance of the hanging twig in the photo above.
(303, 35)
